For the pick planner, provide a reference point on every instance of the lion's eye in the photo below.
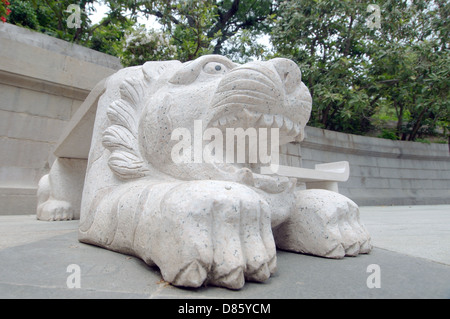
(214, 68)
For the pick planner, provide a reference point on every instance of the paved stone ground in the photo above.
(412, 250)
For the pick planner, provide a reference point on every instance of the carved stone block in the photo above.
(195, 203)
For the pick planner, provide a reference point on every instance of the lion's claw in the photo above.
(222, 237)
(326, 224)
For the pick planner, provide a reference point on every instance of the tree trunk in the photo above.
(399, 111)
(417, 125)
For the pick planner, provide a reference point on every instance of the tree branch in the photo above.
(224, 18)
(160, 15)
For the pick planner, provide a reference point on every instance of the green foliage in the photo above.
(207, 26)
(244, 47)
(327, 39)
(4, 10)
(50, 17)
(141, 46)
(393, 78)
(190, 33)
(388, 134)
(109, 35)
(24, 14)
(353, 71)
(410, 66)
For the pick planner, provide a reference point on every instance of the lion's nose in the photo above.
(289, 73)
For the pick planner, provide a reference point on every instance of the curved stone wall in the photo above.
(43, 81)
(382, 172)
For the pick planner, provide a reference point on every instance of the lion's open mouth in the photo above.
(288, 129)
(257, 95)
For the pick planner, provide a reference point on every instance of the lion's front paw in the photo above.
(55, 210)
(214, 232)
(326, 224)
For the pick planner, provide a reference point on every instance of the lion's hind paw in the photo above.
(53, 210)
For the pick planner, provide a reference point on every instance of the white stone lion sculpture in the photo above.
(211, 222)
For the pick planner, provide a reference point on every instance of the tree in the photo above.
(353, 70)
(195, 28)
(410, 65)
(327, 39)
(203, 26)
(108, 35)
(356, 71)
(50, 17)
(143, 45)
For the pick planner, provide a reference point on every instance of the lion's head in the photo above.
(213, 89)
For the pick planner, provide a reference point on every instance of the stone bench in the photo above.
(62, 188)
(64, 184)
(323, 176)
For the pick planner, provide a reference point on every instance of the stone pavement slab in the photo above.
(35, 256)
(420, 231)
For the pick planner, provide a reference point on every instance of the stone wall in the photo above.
(43, 81)
(382, 172)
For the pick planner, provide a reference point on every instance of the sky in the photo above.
(101, 12)
(102, 9)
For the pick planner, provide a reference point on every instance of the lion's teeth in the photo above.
(297, 128)
(288, 124)
(252, 118)
(278, 121)
(230, 119)
(266, 120)
(292, 131)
